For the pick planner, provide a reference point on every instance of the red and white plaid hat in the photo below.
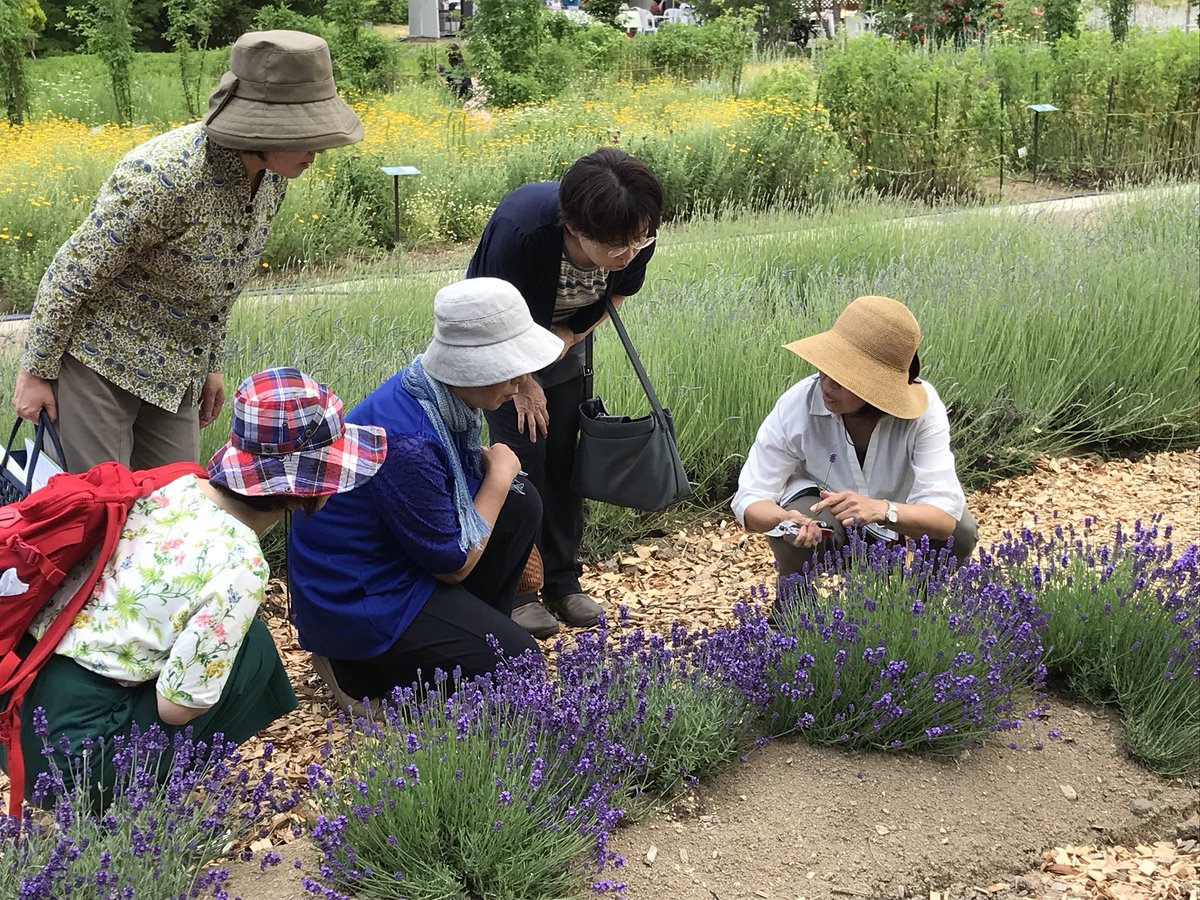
(289, 437)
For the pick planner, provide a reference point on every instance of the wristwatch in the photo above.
(892, 515)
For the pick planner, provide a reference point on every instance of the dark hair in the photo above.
(270, 503)
(611, 197)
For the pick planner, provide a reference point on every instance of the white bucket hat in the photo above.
(483, 334)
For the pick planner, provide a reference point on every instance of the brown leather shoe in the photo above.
(577, 610)
(324, 668)
(535, 619)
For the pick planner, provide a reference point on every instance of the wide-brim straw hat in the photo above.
(279, 95)
(289, 437)
(483, 334)
(869, 351)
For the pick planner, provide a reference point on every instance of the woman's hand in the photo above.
(33, 394)
(567, 336)
(852, 509)
(212, 398)
(809, 534)
(500, 464)
(532, 416)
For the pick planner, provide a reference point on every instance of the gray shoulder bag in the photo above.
(625, 461)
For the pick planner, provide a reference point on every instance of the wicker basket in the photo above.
(532, 577)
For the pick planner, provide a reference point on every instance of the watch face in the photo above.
(891, 513)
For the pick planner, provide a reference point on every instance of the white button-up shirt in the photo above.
(801, 444)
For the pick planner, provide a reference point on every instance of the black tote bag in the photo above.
(626, 461)
(12, 487)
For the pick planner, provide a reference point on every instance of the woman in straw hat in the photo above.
(128, 331)
(864, 443)
(170, 637)
(420, 571)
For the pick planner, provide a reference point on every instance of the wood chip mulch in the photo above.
(1162, 870)
(695, 575)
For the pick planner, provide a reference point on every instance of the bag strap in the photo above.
(635, 361)
(22, 679)
(45, 426)
(588, 371)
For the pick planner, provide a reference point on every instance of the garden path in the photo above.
(866, 824)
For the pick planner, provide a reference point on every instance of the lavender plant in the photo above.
(1124, 623)
(162, 827)
(485, 789)
(667, 700)
(902, 653)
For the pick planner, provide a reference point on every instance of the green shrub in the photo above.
(796, 83)
(1130, 110)
(919, 123)
(1124, 629)
(282, 16)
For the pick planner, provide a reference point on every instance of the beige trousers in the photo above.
(98, 421)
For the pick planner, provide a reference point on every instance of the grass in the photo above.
(1041, 335)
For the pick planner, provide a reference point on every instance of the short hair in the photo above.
(611, 197)
(271, 502)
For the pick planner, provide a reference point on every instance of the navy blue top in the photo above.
(523, 244)
(364, 565)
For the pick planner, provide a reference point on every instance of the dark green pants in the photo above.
(81, 705)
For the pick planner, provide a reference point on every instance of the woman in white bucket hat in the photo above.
(418, 570)
(127, 336)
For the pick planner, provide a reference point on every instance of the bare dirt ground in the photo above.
(797, 821)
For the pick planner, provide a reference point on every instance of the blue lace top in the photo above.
(363, 567)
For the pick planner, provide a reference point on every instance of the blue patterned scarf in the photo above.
(448, 414)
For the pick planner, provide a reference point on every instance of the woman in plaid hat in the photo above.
(420, 570)
(170, 637)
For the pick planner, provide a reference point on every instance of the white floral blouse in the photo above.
(175, 600)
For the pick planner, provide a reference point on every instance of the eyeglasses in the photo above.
(636, 247)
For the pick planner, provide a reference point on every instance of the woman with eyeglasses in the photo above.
(862, 444)
(568, 247)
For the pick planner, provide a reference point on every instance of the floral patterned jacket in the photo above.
(174, 601)
(141, 292)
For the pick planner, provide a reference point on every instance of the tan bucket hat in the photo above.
(871, 351)
(279, 95)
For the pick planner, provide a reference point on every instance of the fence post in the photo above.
(937, 97)
(1112, 79)
(1003, 118)
(1175, 114)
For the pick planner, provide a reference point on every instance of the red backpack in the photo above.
(42, 538)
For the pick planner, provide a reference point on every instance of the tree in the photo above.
(189, 28)
(1119, 12)
(107, 32)
(604, 11)
(506, 37)
(20, 21)
(1062, 18)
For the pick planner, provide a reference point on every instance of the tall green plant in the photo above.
(604, 11)
(1062, 19)
(19, 22)
(107, 31)
(189, 28)
(505, 39)
(1119, 12)
(735, 42)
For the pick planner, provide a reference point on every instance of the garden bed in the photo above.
(864, 824)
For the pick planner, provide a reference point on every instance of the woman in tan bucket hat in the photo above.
(864, 443)
(128, 330)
